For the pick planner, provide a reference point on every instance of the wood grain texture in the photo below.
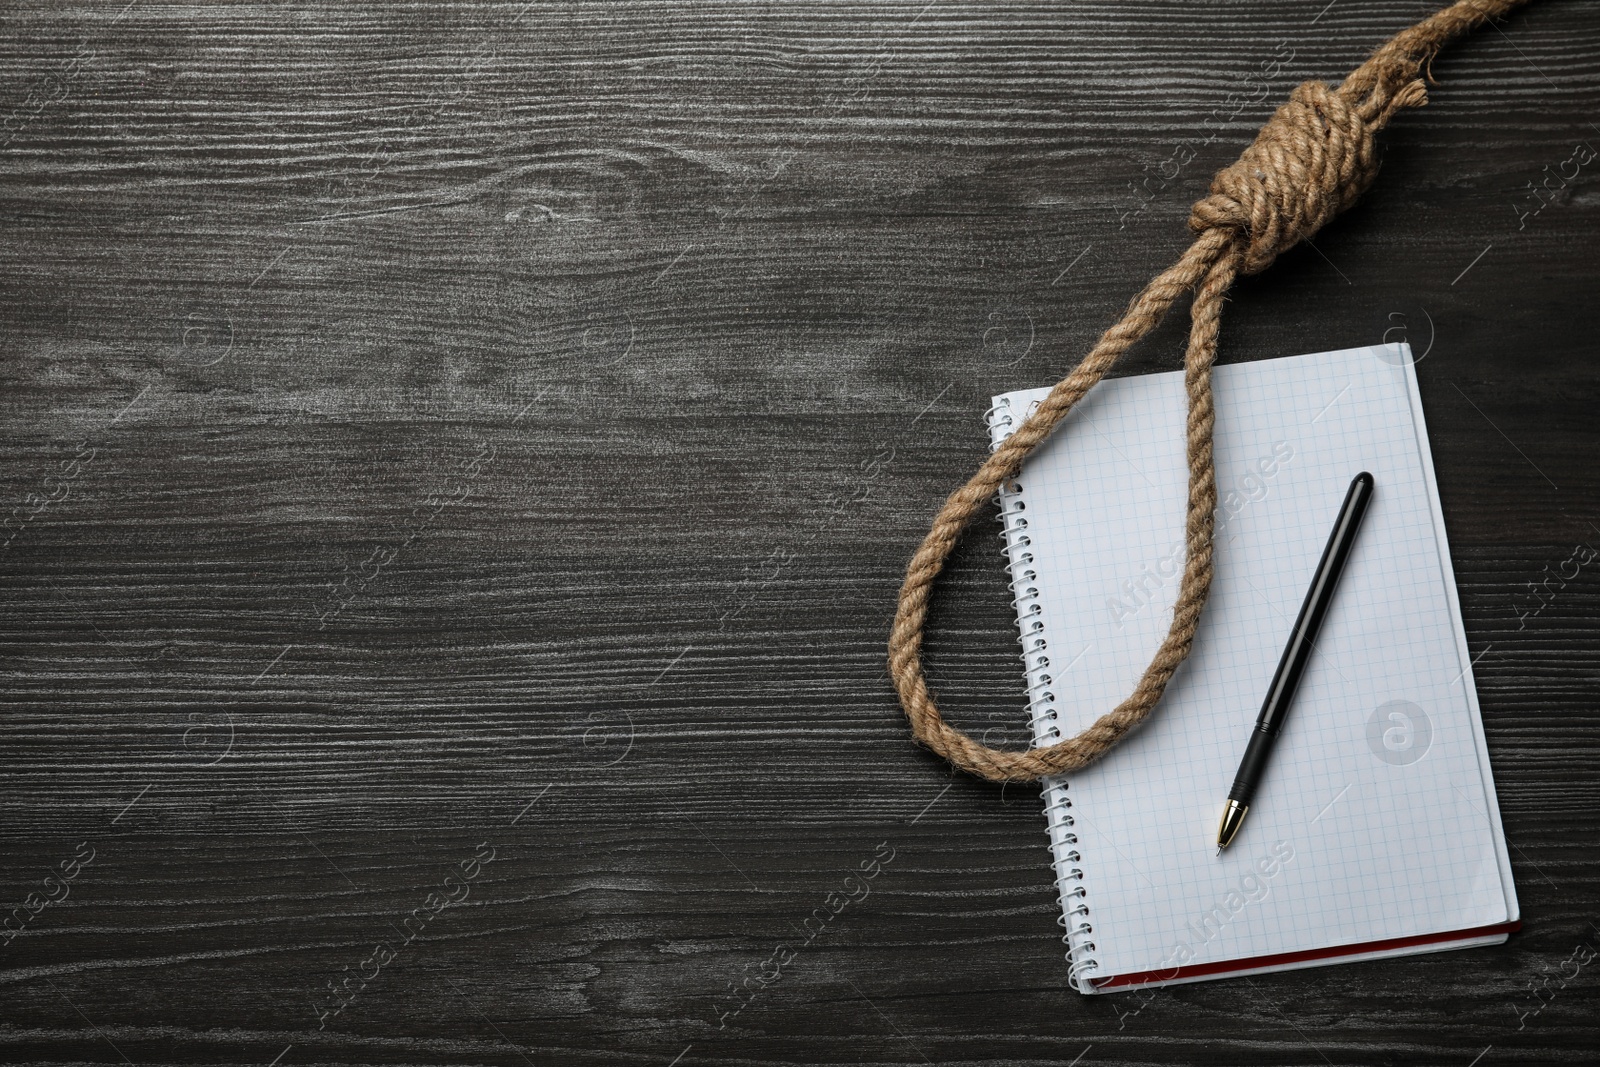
(432, 424)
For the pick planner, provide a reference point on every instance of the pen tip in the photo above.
(1219, 850)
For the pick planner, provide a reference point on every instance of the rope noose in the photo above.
(1311, 160)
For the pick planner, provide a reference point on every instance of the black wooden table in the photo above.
(460, 458)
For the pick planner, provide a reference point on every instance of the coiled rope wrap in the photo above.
(1313, 158)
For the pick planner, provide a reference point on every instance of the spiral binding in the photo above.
(1071, 892)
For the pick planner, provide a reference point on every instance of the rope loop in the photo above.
(1313, 158)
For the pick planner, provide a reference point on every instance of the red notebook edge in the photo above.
(1291, 959)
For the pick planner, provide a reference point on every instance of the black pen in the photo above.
(1275, 709)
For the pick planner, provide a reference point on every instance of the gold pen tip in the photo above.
(1232, 819)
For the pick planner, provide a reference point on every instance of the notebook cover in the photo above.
(1376, 831)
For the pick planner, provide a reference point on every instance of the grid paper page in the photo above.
(1377, 817)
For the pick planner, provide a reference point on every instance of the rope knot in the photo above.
(1313, 158)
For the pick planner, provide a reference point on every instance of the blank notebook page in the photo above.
(1379, 788)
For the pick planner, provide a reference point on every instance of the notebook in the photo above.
(1376, 831)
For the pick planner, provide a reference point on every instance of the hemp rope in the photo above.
(1311, 160)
